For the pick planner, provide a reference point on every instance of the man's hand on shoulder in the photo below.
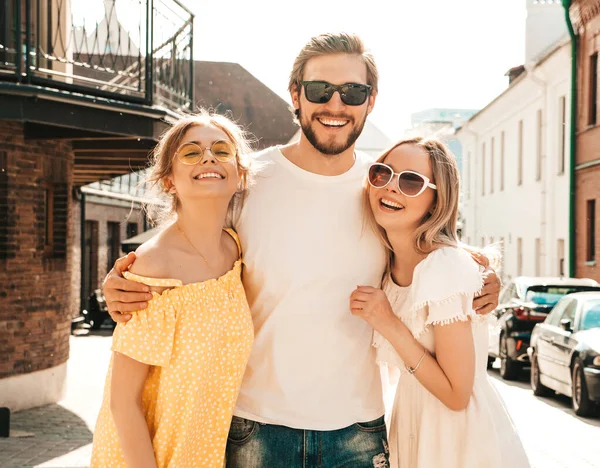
(124, 296)
(488, 298)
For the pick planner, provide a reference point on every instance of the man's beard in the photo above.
(333, 148)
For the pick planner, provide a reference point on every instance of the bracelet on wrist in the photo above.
(412, 370)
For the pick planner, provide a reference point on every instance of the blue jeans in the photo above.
(256, 445)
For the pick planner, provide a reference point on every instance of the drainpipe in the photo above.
(82, 296)
(572, 146)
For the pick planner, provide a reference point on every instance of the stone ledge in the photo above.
(39, 388)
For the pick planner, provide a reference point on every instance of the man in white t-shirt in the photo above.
(311, 395)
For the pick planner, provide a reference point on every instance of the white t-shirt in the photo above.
(306, 248)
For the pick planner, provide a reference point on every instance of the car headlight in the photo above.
(596, 361)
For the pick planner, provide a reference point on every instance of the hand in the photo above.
(487, 300)
(122, 295)
(372, 305)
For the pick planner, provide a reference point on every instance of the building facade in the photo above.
(516, 171)
(70, 116)
(585, 16)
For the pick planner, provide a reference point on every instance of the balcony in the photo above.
(106, 75)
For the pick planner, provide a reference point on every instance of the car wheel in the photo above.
(96, 320)
(582, 405)
(538, 388)
(509, 369)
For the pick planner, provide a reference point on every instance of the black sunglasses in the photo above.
(351, 94)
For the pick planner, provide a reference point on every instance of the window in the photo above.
(132, 230)
(560, 254)
(520, 155)
(539, 144)
(593, 96)
(468, 177)
(492, 166)
(538, 257)
(502, 161)
(569, 312)
(591, 231)
(55, 220)
(562, 131)
(90, 261)
(519, 256)
(483, 169)
(113, 242)
(48, 219)
(557, 313)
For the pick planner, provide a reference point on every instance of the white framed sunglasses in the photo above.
(410, 183)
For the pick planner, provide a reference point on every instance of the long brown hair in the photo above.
(161, 161)
(439, 224)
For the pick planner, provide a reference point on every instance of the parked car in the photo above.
(565, 351)
(524, 302)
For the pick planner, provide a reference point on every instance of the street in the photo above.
(553, 436)
(60, 435)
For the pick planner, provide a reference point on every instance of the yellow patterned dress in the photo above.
(197, 339)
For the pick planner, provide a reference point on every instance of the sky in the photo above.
(430, 53)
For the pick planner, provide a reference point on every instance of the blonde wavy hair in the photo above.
(161, 161)
(438, 226)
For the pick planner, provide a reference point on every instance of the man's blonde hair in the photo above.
(332, 44)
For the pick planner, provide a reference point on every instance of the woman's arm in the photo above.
(127, 384)
(449, 376)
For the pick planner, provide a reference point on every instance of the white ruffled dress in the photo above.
(424, 433)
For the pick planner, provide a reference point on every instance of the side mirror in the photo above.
(565, 324)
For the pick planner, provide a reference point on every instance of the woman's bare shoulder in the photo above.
(152, 257)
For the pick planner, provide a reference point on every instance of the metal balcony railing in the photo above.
(138, 51)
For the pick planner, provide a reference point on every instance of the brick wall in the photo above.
(587, 179)
(588, 135)
(588, 188)
(34, 279)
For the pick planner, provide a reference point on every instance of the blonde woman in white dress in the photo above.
(446, 412)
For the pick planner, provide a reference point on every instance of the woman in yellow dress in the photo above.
(177, 365)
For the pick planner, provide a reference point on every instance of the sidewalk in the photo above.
(60, 435)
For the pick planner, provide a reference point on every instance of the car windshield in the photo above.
(591, 315)
(550, 295)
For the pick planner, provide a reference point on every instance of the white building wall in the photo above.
(544, 26)
(535, 211)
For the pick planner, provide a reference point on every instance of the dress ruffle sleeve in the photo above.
(445, 284)
(148, 336)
